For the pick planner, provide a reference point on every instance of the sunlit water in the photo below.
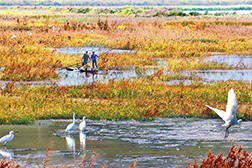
(169, 142)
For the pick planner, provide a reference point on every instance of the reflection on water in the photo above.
(76, 78)
(82, 137)
(71, 78)
(167, 142)
(70, 143)
(6, 153)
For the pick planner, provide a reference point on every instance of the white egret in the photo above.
(83, 124)
(14, 36)
(230, 115)
(7, 138)
(70, 127)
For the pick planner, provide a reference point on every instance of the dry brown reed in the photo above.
(236, 158)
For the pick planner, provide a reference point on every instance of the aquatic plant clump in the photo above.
(237, 157)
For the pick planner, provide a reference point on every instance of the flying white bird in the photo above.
(230, 115)
(70, 127)
(83, 124)
(7, 138)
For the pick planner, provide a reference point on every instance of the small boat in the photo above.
(83, 70)
(89, 70)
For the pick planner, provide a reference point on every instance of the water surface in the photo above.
(167, 142)
(232, 60)
(221, 75)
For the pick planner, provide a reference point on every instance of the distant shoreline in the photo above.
(118, 3)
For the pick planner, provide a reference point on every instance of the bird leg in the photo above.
(227, 131)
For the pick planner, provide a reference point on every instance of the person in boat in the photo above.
(85, 58)
(94, 60)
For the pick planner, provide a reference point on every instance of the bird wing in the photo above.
(70, 127)
(4, 138)
(82, 125)
(232, 104)
(221, 113)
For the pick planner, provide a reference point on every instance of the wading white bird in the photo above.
(230, 115)
(7, 138)
(70, 127)
(83, 124)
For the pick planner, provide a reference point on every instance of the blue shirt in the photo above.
(94, 57)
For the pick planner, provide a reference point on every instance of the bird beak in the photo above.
(16, 131)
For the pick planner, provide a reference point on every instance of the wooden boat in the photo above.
(89, 70)
(83, 70)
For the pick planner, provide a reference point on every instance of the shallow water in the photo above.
(221, 75)
(77, 78)
(168, 142)
(73, 78)
(232, 60)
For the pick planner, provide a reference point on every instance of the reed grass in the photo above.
(32, 56)
(237, 157)
(143, 99)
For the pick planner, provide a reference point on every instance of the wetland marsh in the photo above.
(148, 105)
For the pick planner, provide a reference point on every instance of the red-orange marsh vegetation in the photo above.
(237, 157)
(123, 100)
(152, 38)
